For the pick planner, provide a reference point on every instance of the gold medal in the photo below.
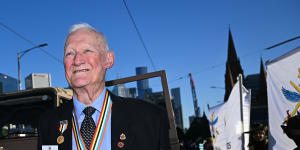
(122, 136)
(60, 139)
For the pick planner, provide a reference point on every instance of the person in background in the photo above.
(292, 130)
(258, 138)
(208, 145)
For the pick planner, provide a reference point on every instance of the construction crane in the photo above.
(195, 101)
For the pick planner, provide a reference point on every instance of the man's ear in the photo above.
(110, 59)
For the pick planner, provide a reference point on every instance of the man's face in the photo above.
(84, 60)
(259, 135)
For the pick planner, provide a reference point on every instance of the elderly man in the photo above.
(95, 118)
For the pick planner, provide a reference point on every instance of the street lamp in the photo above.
(20, 55)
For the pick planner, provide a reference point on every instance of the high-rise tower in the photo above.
(142, 85)
(177, 107)
(8, 84)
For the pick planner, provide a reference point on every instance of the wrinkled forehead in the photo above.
(85, 35)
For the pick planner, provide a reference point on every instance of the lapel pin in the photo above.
(120, 144)
(122, 137)
(63, 126)
(60, 139)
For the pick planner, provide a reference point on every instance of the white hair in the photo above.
(79, 26)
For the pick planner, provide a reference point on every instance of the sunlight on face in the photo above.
(83, 59)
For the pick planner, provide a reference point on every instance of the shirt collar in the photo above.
(97, 104)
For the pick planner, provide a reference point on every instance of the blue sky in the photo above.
(182, 36)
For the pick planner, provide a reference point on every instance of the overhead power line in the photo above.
(139, 34)
(214, 66)
(292, 39)
(30, 42)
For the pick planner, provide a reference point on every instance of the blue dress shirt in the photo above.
(79, 107)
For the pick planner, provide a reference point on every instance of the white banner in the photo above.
(217, 126)
(283, 97)
(225, 121)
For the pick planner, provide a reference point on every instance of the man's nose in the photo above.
(79, 59)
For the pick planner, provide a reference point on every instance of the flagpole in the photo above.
(250, 104)
(241, 109)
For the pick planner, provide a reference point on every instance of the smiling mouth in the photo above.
(81, 70)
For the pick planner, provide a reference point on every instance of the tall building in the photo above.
(121, 90)
(38, 80)
(156, 98)
(8, 84)
(259, 101)
(177, 107)
(262, 96)
(142, 85)
(132, 92)
(252, 82)
(233, 67)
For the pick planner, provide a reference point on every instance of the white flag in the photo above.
(217, 126)
(283, 76)
(226, 119)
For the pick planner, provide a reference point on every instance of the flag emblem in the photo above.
(292, 97)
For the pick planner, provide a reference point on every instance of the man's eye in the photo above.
(69, 54)
(87, 51)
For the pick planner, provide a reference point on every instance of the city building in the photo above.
(233, 67)
(177, 107)
(132, 92)
(252, 82)
(121, 90)
(142, 85)
(156, 98)
(8, 84)
(259, 101)
(38, 80)
(191, 119)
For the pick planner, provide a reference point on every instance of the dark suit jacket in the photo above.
(145, 125)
